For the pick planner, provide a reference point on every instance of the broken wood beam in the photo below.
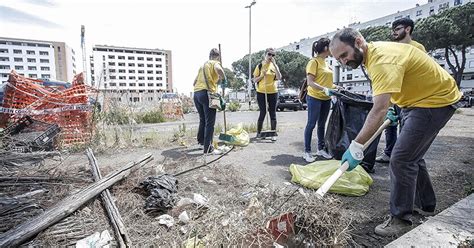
(112, 210)
(27, 230)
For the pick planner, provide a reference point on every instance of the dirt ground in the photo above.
(259, 165)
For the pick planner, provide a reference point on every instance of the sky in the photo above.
(190, 29)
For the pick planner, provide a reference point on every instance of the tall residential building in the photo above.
(355, 78)
(36, 59)
(127, 69)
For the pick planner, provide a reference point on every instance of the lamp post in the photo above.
(249, 84)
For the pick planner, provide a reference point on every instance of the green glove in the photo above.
(392, 116)
(224, 83)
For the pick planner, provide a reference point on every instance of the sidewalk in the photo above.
(449, 228)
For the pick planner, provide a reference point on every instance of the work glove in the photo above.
(392, 116)
(353, 155)
(328, 92)
(224, 83)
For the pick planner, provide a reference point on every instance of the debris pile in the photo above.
(69, 108)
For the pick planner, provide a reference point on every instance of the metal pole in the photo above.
(250, 56)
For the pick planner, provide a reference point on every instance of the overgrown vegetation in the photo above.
(234, 106)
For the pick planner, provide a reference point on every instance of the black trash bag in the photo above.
(348, 117)
(162, 191)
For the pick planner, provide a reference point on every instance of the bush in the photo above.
(234, 106)
(153, 116)
(117, 116)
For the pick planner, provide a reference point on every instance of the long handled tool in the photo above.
(268, 132)
(338, 173)
(224, 136)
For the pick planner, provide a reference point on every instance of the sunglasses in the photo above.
(270, 54)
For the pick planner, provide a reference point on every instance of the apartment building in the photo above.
(131, 70)
(355, 79)
(36, 59)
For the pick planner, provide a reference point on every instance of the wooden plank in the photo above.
(27, 230)
(112, 210)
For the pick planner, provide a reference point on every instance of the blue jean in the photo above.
(318, 111)
(410, 183)
(207, 119)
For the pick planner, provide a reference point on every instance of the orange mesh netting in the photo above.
(67, 107)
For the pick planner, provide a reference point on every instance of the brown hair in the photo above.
(214, 53)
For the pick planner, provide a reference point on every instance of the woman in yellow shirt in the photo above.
(266, 75)
(320, 83)
(209, 76)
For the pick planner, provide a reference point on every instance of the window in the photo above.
(432, 10)
(123, 78)
(149, 72)
(5, 59)
(121, 64)
(112, 70)
(158, 66)
(17, 51)
(419, 12)
(45, 68)
(131, 58)
(140, 58)
(398, 17)
(131, 64)
(150, 78)
(297, 47)
(132, 77)
(19, 67)
(141, 78)
(158, 72)
(111, 63)
(157, 59)
(122, 71)
(5, 67)
(149, 65)
(159, 78)
(47, 76)
(132, 84)
(32, 68)
(141, 85)
(141, 71)
(149, 59)
(32, 75)
(31, 60)
(122, 84)
(121, 57)
(44, 53)
(349, 76)
(30, 52)
(150, 84)
(131, 71)
(3, 50)
(457, 2)
(159, 84)
(113, 77)
(141, 65)
(44, 60)
(111, 57)
(471, 64)
(112, 84)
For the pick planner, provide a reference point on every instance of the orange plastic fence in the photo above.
(69, 108)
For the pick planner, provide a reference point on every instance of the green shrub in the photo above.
(234, 106)
(117, 116)
(153, 116)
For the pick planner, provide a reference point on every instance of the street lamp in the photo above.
(249, 85)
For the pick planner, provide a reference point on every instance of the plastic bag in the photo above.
(351, 183)
(347, 118)
(240, 137)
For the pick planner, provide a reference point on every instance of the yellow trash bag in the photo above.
(351, 183)
(236, 136)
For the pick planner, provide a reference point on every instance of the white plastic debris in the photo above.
(96, 240)
(199, 199)
(183, 217)
(209, 181)
(166, 220)
(184, 202)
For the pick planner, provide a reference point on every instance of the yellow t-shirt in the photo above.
(413, 78)
(323, 76)
(268, 82)
(417, 45)
(211, 74)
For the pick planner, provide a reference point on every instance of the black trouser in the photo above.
(272, 101)
(207, 119)
(410, 182)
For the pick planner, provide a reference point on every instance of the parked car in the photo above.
(289, 99)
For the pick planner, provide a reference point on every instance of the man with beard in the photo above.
(401, 32)
(428, 96)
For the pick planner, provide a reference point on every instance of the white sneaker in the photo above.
(274, 138)
(384, 158)
(323, 154)
(308, 157)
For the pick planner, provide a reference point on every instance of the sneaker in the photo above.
(308, 157)
(420, 211)
(274, 138)
(323, 154)
(258, 136)
(384, 158)
(393, 227)
(213, 151)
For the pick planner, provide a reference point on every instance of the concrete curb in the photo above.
(447, 229)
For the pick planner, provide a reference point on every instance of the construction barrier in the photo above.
(67, 107)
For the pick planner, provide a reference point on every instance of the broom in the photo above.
(224, 136)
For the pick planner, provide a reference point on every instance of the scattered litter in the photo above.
(166, 220)
(287, 183)
(194, 242)
(255, 209)
(209, 181)
(183, 218)
(225, 222)
(162, 190)
(96, 240)
(185, 202)
(282, 227)
(200, 200)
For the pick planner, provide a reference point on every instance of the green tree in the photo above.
(235, 83)
(451, 30)
(292, 66)
(379, 33)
